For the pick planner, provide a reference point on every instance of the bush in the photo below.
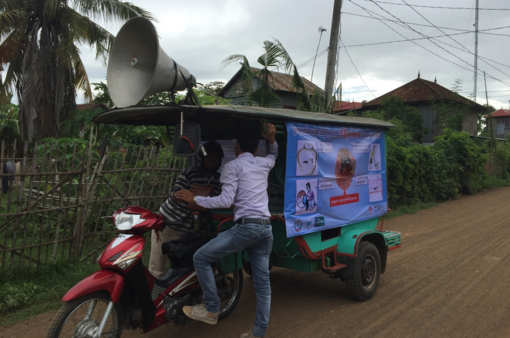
(467, 160)
(14, 297)
(454, 165)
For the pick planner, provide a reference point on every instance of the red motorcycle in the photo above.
(123, 294)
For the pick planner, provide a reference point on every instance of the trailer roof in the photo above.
(170, 115)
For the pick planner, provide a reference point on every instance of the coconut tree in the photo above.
(276, 58)
(39, 45)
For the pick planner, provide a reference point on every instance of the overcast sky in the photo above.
(199, 34)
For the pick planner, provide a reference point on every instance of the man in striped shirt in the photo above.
(177, 214)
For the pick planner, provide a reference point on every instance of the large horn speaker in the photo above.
(138, 67)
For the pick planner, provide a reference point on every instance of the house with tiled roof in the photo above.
(501, 122)
(424, 95)
(280, 82)
(342, 107)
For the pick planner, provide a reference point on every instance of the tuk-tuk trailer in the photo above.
(327, 191)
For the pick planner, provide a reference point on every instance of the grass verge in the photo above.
(411, 209)
(30, 293)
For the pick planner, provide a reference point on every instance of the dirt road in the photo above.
(451, 278)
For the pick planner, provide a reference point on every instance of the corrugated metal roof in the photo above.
(283, 82)
(420, 90)
(278, 81)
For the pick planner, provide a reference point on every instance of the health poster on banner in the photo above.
(335, 176)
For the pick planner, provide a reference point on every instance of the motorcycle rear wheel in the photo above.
(229, 299)
(72, 319)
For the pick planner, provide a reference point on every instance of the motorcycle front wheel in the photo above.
(81, 317)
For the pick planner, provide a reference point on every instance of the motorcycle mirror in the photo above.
(186, 139)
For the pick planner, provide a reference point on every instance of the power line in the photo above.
(425, 37)
(356, 68)
(414, 30)
(439, 7)
(311, 59)
(499, 96)
(465, 49)
(484, 31)
(370, 13)
(500, 44)
(480, 57)
(403, 40)
(400, 22)
(489, 91)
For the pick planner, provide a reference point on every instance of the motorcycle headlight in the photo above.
(124, 221)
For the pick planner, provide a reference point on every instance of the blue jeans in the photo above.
(257, 239)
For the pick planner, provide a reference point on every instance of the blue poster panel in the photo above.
(334, 176)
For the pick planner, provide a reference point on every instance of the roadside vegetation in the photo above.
(456, 164)
(30, 293)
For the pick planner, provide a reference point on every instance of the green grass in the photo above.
(25, 295)
(412, 209)
(495, 182)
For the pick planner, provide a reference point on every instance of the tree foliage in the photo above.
(122, 135)
(393, 108)
(449, 112)
(407, 120)
(275, 58)
(40, 48)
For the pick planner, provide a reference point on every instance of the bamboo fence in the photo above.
(59, 204)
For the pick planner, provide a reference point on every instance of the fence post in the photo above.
(78, 231)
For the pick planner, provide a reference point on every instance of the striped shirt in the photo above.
(178, 212)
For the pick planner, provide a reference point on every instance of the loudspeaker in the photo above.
(138, 67)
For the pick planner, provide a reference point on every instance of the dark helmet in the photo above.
(210, 147)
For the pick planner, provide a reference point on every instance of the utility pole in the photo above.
(333, 45)
(476, 50)
(486, 96)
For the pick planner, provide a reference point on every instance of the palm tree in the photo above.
(39, 45)
(275, 57)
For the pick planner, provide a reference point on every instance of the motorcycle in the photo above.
(124, 294)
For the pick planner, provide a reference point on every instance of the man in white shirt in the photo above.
(244, 184)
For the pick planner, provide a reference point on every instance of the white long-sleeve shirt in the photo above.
(244, 181)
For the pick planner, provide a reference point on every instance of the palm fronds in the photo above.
(110, 10)
(275, 57)
(38, 45)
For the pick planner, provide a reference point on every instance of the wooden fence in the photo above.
(60, 200)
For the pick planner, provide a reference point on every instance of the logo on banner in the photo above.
(319, 221)
(297, 225)
(309, 223)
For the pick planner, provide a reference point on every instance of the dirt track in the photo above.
(451, 278)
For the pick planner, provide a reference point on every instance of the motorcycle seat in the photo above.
(172, 275)
(180, 252)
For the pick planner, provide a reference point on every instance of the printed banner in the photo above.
(334, 176)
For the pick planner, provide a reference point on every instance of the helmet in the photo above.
(210, 147)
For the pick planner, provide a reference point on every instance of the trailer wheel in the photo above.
(367, 272)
